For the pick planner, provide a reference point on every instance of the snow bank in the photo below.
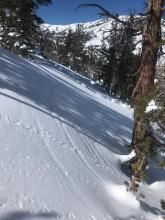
(124, 202)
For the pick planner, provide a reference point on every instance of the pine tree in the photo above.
(109, 58)
(67, 49)
(127, 61)
(71, 51)
(19, 22)
(119, 62)
(94, 62)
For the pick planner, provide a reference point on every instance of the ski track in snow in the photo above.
(28, 131)
(47, 137)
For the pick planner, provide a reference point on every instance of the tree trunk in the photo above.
(146, 72)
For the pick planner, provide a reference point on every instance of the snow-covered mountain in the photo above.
(62, 142)
(96, 28)
(99, 29)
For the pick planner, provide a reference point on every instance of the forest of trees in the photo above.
(114, 65)
(21, 34)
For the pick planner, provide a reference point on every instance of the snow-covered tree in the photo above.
(19, 23)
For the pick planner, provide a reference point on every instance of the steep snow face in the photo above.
(61, 144)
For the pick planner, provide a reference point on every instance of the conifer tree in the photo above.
(127, 61)
(71, 51)
(109, 58)
(119, 62)
(19, 23)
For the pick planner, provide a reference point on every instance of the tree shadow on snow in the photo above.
(151, 209)
(132, 217)
(38, 88)
(154, 173)
(24, 215)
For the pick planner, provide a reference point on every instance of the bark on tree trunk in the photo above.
(146, 72)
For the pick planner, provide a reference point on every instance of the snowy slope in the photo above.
(61, 146)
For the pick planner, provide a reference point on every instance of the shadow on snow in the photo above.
(21, 215)
(62, 100)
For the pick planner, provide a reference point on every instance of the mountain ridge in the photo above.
(99, 31)
(96, 28)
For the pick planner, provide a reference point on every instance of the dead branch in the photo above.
(103, 12)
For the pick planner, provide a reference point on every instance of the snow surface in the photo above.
(61, 144)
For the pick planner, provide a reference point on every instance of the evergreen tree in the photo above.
(71, 51)
(78, 49)
(109, 57)
(119, 62)
(67, 49)
(19, 24)
(93, 63)
(127, 61)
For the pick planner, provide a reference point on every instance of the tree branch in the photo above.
(103, 12)
(145, 14)
(137, 33)
(138, 42)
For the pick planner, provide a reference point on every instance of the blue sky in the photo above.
(63, 11)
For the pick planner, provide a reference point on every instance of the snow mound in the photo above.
(123, 200)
